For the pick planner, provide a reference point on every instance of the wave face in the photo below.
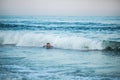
(36, 39)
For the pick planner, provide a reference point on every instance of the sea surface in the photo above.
(84, 48)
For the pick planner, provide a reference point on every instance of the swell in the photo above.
(60, 26)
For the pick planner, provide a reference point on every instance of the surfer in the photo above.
(48, 46)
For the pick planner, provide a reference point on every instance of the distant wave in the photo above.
(60, 26)
(63, 42)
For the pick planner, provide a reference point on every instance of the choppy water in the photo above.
(30, 63)
(85, 48)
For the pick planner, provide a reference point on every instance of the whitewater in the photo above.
(84, 47)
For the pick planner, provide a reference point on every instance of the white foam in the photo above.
(40, 39)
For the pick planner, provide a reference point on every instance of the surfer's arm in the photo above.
(44, 46)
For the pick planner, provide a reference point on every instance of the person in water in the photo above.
(48, 46)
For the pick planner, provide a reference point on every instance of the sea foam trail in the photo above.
(58, 41)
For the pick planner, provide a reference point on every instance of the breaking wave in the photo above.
(58, 41)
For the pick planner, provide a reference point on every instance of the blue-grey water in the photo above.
(84, 48)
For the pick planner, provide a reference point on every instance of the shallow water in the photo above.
(35, 63)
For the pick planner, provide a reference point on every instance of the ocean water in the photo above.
(84, 48)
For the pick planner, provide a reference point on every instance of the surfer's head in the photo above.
(48, 45)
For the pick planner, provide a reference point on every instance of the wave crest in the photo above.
(61, 41)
